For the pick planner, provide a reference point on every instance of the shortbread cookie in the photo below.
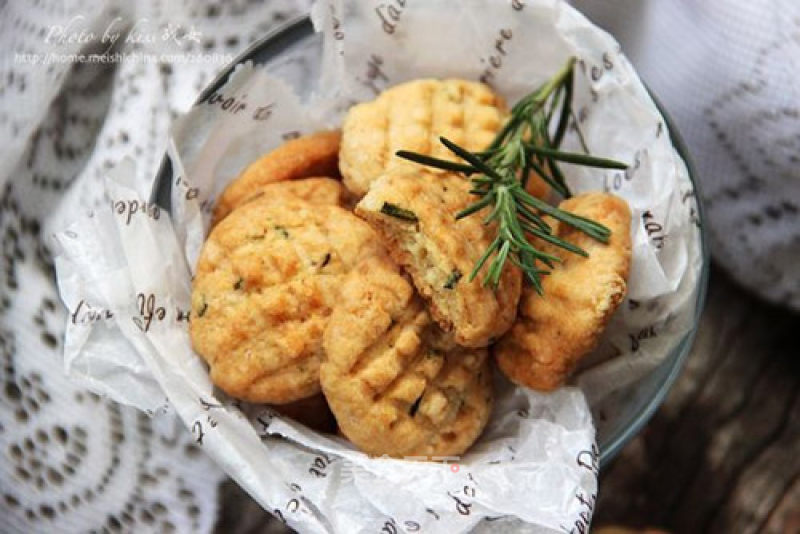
(414, 212)
(554, 331)
(265, 283)
(412, 116)
(311, 155)
(316, 190)
(396, 383)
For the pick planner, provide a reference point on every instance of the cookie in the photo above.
(414, 212)
(266, 280)
(554, 331)
(412, 116)
(311, 155)
(316, 190)
(395, 382)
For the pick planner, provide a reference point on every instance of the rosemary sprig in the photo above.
(499, 175)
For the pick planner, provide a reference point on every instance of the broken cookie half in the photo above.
(414, 212)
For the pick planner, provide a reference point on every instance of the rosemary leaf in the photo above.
(566, 110)
(499, 175)
(496, 268)
(477, 206)
(479, 191)
(397, 212)
(576, 157)
(558, 177)
(560, 188)
(453, 279)
(550, 238)
(430, 161)
(485, 256)
(476, 162)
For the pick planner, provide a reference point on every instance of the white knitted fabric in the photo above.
(72, 461)
(728, 72)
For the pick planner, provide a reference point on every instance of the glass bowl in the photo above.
(293, 52)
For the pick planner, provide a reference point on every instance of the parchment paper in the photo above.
(125, 273)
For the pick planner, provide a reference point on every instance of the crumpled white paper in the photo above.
(125, 273)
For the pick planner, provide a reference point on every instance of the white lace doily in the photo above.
(72, 461)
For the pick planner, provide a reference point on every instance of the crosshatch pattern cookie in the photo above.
(266, 280)
(554, 331)
(396, 383)
(415, 215)
(412, 116)
(311, 155)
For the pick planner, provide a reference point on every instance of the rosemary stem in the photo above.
(557, 80)
(499, 176)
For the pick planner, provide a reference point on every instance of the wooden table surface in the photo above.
(721, 455)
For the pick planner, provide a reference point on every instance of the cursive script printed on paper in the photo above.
(389, 14)
(497, 56)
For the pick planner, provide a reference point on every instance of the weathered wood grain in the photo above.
(723, 452)
(786, 516)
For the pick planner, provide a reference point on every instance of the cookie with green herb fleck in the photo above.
(555, 330)
(266, 280)
(396, 383)
(414, 212)
(412, 116)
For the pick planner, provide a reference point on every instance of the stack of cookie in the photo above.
(295, 294)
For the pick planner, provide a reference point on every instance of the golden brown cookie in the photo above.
(311, 155)
(412, 116)
(316, 190)
(396, 383)
(265, 283)
(414, 212)
(554, 331)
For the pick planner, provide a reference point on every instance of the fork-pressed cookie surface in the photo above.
(412, 116)
(396, 383)
(554, 331)
(265, 283)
